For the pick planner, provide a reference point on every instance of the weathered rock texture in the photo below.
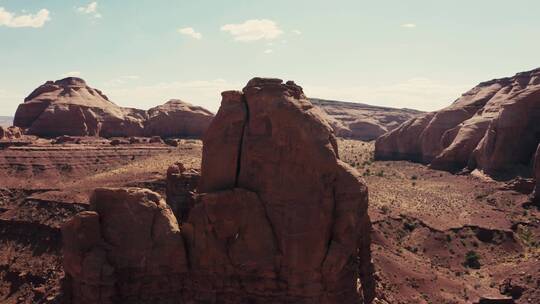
(181, 187)
(278, 219)
(493, 127)
(362, 121)
(10, 133)
(70, 107)
(128, 249)
(269, 154)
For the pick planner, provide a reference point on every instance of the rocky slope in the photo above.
(250, 237)
(70, 107)
(493, 127)
(362, 121)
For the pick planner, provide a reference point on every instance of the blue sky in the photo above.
(405, 53)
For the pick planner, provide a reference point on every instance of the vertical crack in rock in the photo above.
(241, 142)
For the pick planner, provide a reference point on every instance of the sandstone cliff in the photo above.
(493, 127)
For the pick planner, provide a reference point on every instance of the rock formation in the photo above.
(10, 133)
(177, 118)
(70, 107)
(362, 121)
(278, 218)
(180, 189)
(493, 127)
(128, 249)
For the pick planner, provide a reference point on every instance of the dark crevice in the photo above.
(241, 141)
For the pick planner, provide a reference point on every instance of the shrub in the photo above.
(472, 260)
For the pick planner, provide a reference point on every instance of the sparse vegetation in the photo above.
(472, 260)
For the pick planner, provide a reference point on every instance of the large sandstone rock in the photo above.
(271, 146)
(278, 218)
(128, 249)
(362, 121)
(70, 107)
(493, 127)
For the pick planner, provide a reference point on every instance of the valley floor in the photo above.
(437, 237)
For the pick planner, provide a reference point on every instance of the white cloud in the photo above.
(416, 93)
(90, 9)
(72, 74)
(297, 32)
(253, 30)
(29, 20)
(189, 31)
(268, 51)
(205, 93)
(408, 25)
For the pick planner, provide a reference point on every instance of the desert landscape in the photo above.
(429, 236)
(270, 152)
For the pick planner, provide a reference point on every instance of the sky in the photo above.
(420, 54)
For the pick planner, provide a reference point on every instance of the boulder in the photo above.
(493, 127)
(70, 107)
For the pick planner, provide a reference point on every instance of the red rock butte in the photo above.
(70, 107)
(278, 218)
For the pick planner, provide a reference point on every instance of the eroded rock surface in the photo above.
(493, 127)
(362, 121)
(70, 107)
(278, 219)
(7, 133)
(128, 249)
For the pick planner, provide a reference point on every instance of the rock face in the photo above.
(493, 127)
(180, 189)
(70, 107)
(177, 118)
(362, 121)
(278, 219)
(269, 153)
(128, 248)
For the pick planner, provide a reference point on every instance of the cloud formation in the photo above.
(189, 31)
(253, 30)
(90, 9)
(37, 20)
(408, 25)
